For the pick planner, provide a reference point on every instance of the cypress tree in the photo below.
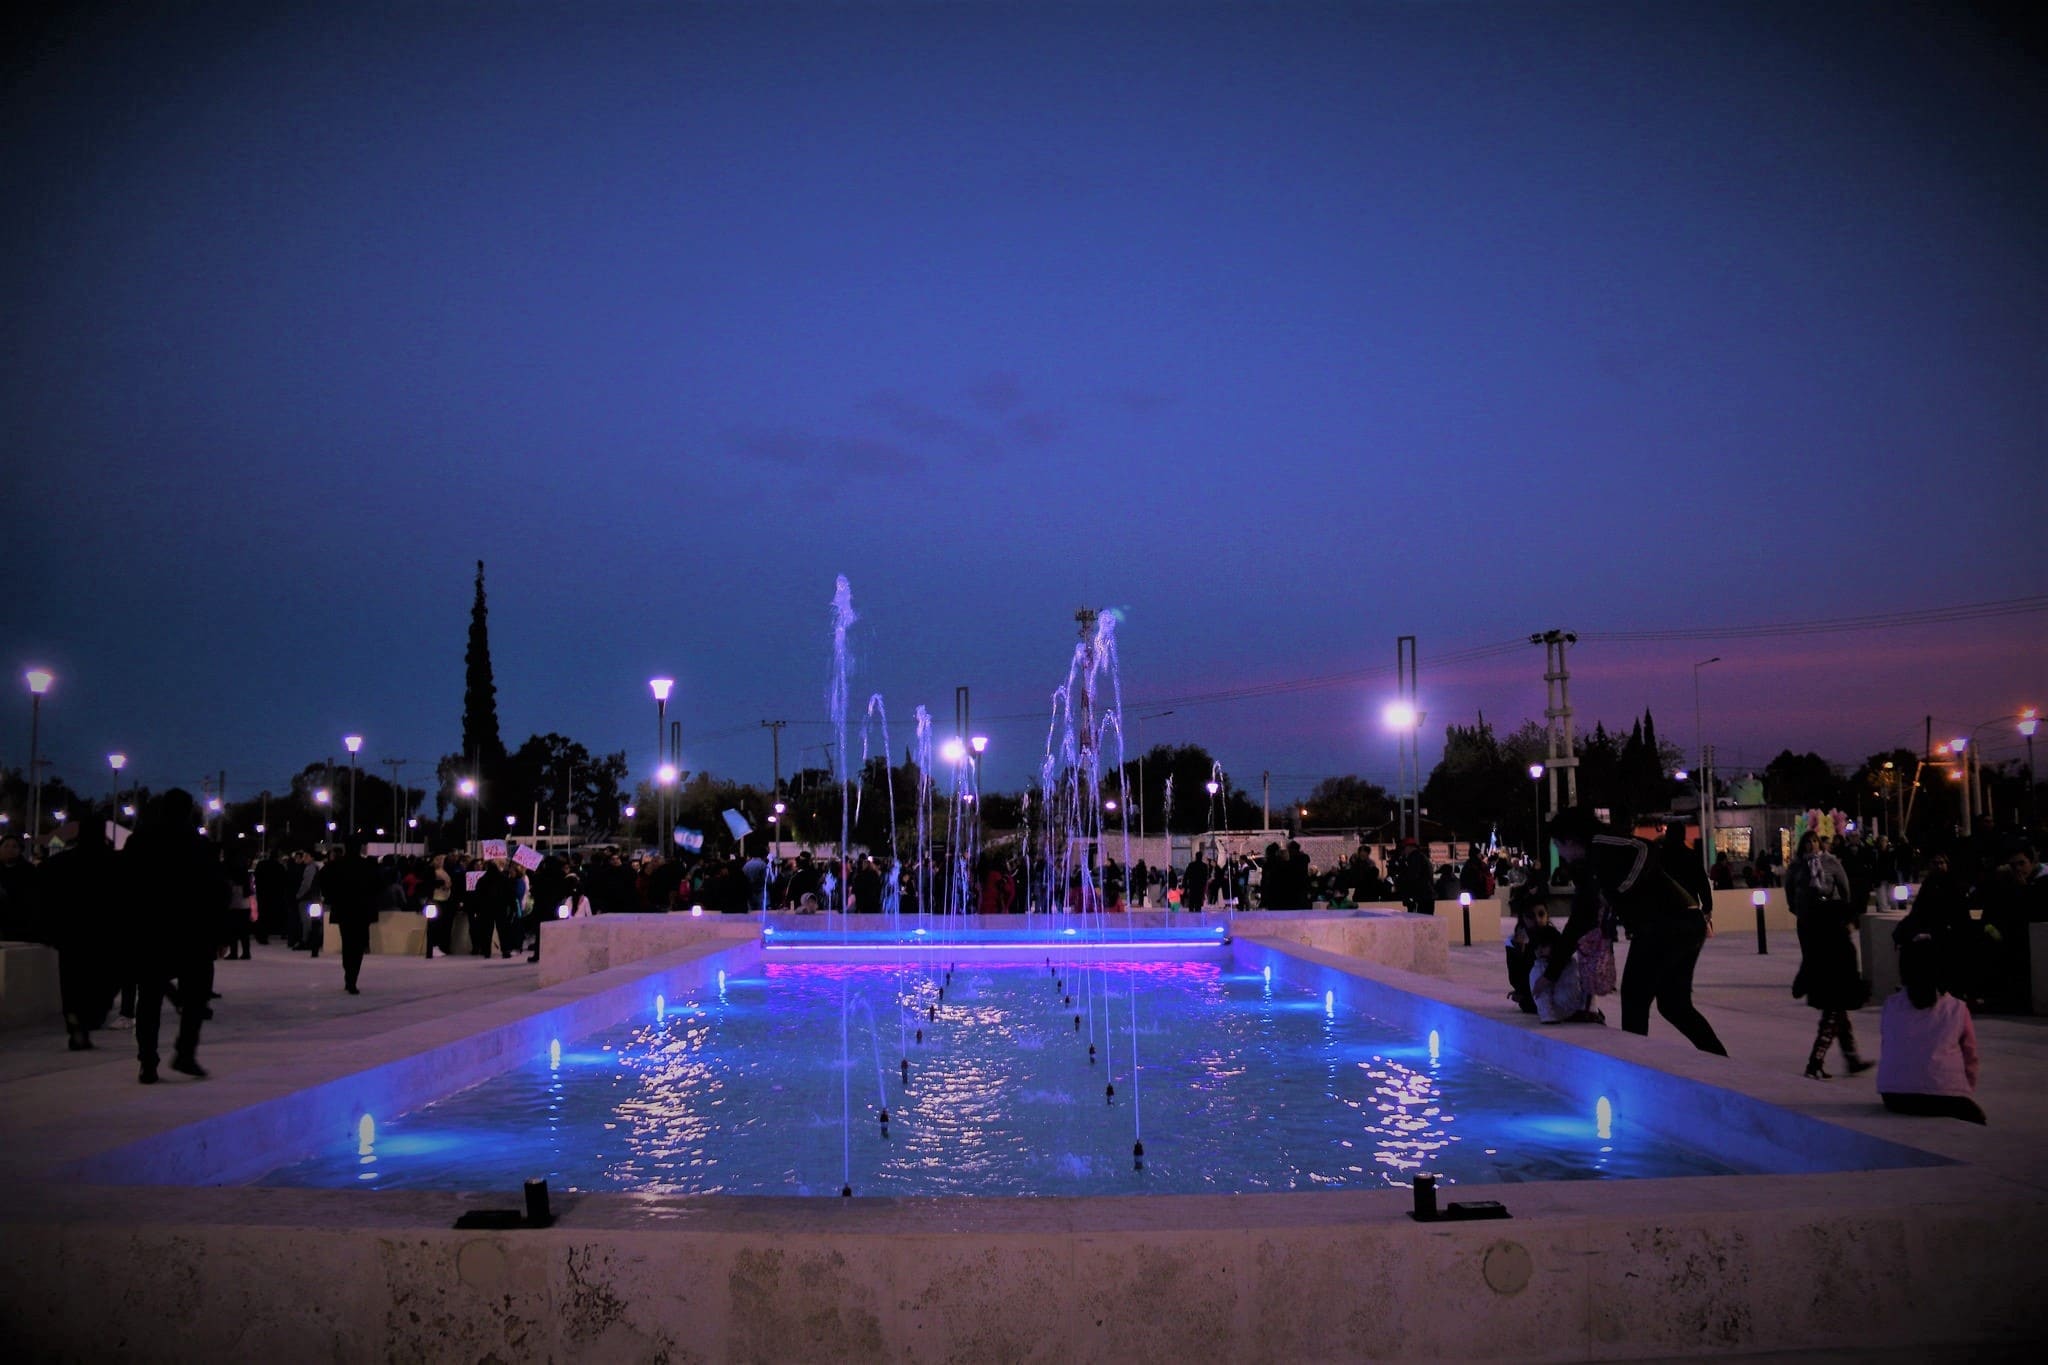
(480, 740)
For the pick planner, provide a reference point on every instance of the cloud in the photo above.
(997, 394)
(858, 455)
(1143, 402)
(1038, 428)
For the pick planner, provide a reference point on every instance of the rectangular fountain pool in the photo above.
(772, 1079)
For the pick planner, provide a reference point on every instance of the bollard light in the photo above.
(562, 910)
(1757, 898)
(696, 912)
(1465, 911)
(432, 911)
(1901, 893)
(314, 910)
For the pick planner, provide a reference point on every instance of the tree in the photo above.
(561, 778)
(1190, 768)
(1349, 802)
(483, 751)
(1806, 782)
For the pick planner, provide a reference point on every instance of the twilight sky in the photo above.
(1285, 330)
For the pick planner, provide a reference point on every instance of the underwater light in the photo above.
(1435, 1043)
(366, 1134)
(1067, 931)
(1603, 1118)
(1329, 1002)
(660, 1007)
(721, 980)
(555, 1052)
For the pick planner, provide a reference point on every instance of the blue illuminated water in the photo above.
(1245, 1084)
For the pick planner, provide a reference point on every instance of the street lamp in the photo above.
(467, 787)
(775, 853)
(1706, 772)
(661, 687)
(39, 680)
(665, 778)
(115, 762)
(1213, 787)
(1403, 719)
(352, 743)
(1536, 771)
(2030, 720)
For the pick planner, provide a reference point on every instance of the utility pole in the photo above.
(397, 810)
(1557, 712)
(1407, 748)
(1266, 799)
(774, 728)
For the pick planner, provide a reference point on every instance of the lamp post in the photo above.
(661, 687)
(1403, 719)
(1705, 769)
(1542, 854)
(664, 778)
(467, 788)
(352, 743)
(2030, 720)
(116, 762)
(1757, 899)
(39, 680)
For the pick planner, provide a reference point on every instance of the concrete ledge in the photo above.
(28, 985)
(570, 948)
(1397, 939)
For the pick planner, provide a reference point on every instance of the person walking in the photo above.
(1817, 889)
(82, 896)
(1614, 876)
(490, 907)
(173, 872)
(351, 887)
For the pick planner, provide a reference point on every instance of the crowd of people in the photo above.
(145, 926)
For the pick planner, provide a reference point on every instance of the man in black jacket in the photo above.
(490, 907)
(1666, 926)
(173, 878)
(351, 888)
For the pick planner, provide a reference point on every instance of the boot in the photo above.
(1857, 1066)
(1823, 1039)
(186, 1065)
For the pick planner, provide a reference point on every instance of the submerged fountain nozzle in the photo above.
(1091, 1054)
(885, 1125)
(906, 1071)
(920, 1035)
(931, 1014)
(1109, 1093)
(1137, 1156)
(846, 1191)
(1077, 1023)
(1070, 1002)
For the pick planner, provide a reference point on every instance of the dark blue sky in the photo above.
(1286, 330)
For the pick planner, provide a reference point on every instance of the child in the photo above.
(1563, 1000)
(1929, 1066)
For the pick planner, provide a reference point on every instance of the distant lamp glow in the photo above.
(413, 822)
(562, 910)
(117, 761)
(662, 687)
(213, 804)
(1758, 898)
(39, 680)
(1109, 805)
(979, 743)
(1399, 715)
(366, 1134)
(721, 980)
(1958, 744)
(467, 787)
(1603, 1118)
(58, 816)
(2030, 721)
(696, 912)
(314, 910)
(128, 811)
(352, 743)
(510, 821)
(1536, 771)
(660, 1007)
(952, 750)
(331, 827)
(779, 808)
(321, 796)
(630, 812)
(1680, 775)
(259, 828)
(1900, 894)
(431, 911)
(1213, 786)
(666, 774)
(1464, 898)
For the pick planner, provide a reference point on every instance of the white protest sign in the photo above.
(526, 857)
(493, 848)
(470, 879)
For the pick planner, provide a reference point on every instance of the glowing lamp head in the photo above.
(412, 822)
(979, 743)
(1109, 805)
(431, 911)
(1536, 771)
(952, 750)
(1958, 744)
(129, 811)
(1213, 787)
(117, 761)
(696, 912)
(1757, 898)
(562, 910)
(780, 808)
(630, 812)
(39, 680)
(314, 910)
(467, 786)
(2030, 721)
(1399, 715)
(321, 796)
(260, 828)
(352, 743)
(510, 821)
(1901, 894)
(1680, 775)
(662, 687)
(213, 804)
(331, 827)
(58, 816)
(1464, 898)
(666, 774)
